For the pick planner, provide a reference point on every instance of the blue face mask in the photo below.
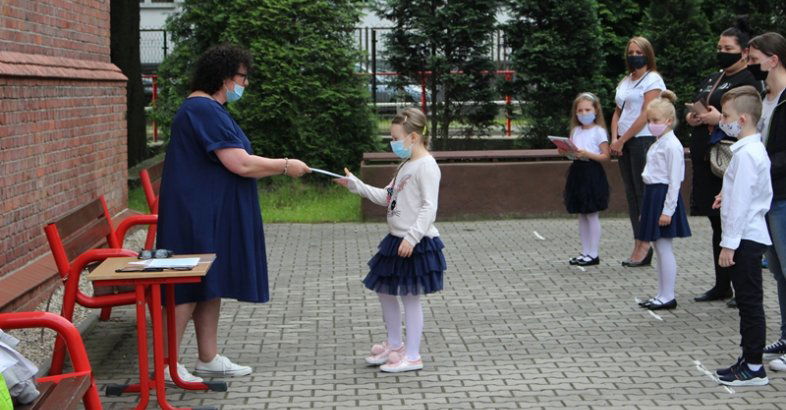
(586, 119)
(400, 150)
(235, 94)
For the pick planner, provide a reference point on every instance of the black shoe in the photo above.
(729, 370)
(647, 261)
(711, 295)
(589, 262)
(742, 375)
(646, 302)
(732, 303)
(656, 304)
(576, 260)
(774, 350)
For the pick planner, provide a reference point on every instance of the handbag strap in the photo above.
(712, 90)
(634, 86)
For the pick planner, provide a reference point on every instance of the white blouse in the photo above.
(632, 96)
(666, 165)
(589, 139)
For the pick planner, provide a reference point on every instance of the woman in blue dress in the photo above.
(209, 204)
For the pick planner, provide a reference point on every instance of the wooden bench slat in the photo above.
(45, 389)
(92, 234)
(67, 394)
(155, 173)
(77, 219)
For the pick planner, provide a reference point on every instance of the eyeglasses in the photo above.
(154, 253)
(244, 75)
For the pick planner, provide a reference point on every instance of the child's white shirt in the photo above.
(747, 194)
(412, 205)
(666, 165)
(589, 139)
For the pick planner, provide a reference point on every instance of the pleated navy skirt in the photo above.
(651, 210)
(420, 274)
(586, 188)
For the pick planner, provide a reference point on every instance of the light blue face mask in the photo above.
(400, 150)
(586, 119)
(235, 94)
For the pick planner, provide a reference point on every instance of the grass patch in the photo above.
(283, 199)
(136, 200)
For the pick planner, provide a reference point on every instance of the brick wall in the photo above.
(62, 122)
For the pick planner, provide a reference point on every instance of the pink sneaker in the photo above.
(381, 352)
(399, 363)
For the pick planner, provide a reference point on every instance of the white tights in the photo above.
(667, 269)
(413, 316)
(589, 232)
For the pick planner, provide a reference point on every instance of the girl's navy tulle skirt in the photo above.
(651, 210)
(420, 274)
(586, 188)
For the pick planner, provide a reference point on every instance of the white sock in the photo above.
(584, 234)
(667, 269)
(413, 315)
(754, 367)
(593, 232)
(391, 312)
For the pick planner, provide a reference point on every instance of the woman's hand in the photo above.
(562, 152)
(405, 249)
(726, 258)
(616, 147)
(711, 117)
(718, 200)
(297, 168)
(664, 220)
(692, 119)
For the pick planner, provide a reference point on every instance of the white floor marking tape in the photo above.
(655, 316)
(537, 235)
(637, 300)
(581, 268)
(700, 367)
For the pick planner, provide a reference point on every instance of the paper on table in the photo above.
(173, 263)
(328, 173)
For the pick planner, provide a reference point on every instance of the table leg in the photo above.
(173, 349)
(158, 346)
(141, 340)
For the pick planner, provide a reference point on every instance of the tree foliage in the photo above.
(451, 40)
(304, 99)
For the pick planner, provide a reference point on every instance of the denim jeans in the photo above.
(632, 162)
(776, 256)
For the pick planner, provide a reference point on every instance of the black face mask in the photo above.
(636, 62)
(726, 60)
(759, 75)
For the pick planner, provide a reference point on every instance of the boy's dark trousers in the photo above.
(746, 278)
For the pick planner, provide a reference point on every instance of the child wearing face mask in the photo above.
(586, 188)
(744, 202)
(409, 262)
(663, 214)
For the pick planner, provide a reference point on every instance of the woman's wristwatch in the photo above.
(286, 166)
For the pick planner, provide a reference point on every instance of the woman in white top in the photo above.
(630, 138)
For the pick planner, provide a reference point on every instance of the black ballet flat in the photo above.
(647, 261)
(576, 260)
(658, 305)
(589, 262)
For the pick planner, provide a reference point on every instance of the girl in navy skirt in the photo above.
(586, 188)
(409, 262)
(663, 214)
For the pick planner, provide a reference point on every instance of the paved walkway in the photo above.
(516, 327)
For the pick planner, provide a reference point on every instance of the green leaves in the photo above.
(304, 100)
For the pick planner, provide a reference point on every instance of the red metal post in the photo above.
(507, 106)
(153, 102)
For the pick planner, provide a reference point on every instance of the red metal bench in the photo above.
(151, 184)
(73, 239)
(62, 391)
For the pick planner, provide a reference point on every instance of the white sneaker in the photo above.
(779, 364)
(221, 366)
(184, 374)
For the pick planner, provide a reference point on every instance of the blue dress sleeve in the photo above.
(213, 127)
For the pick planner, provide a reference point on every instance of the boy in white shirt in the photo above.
(744, 201)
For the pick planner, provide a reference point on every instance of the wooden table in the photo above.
(148, 291)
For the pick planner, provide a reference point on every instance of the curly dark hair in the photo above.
(217, 64)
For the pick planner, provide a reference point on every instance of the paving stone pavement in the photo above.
(515, 327)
